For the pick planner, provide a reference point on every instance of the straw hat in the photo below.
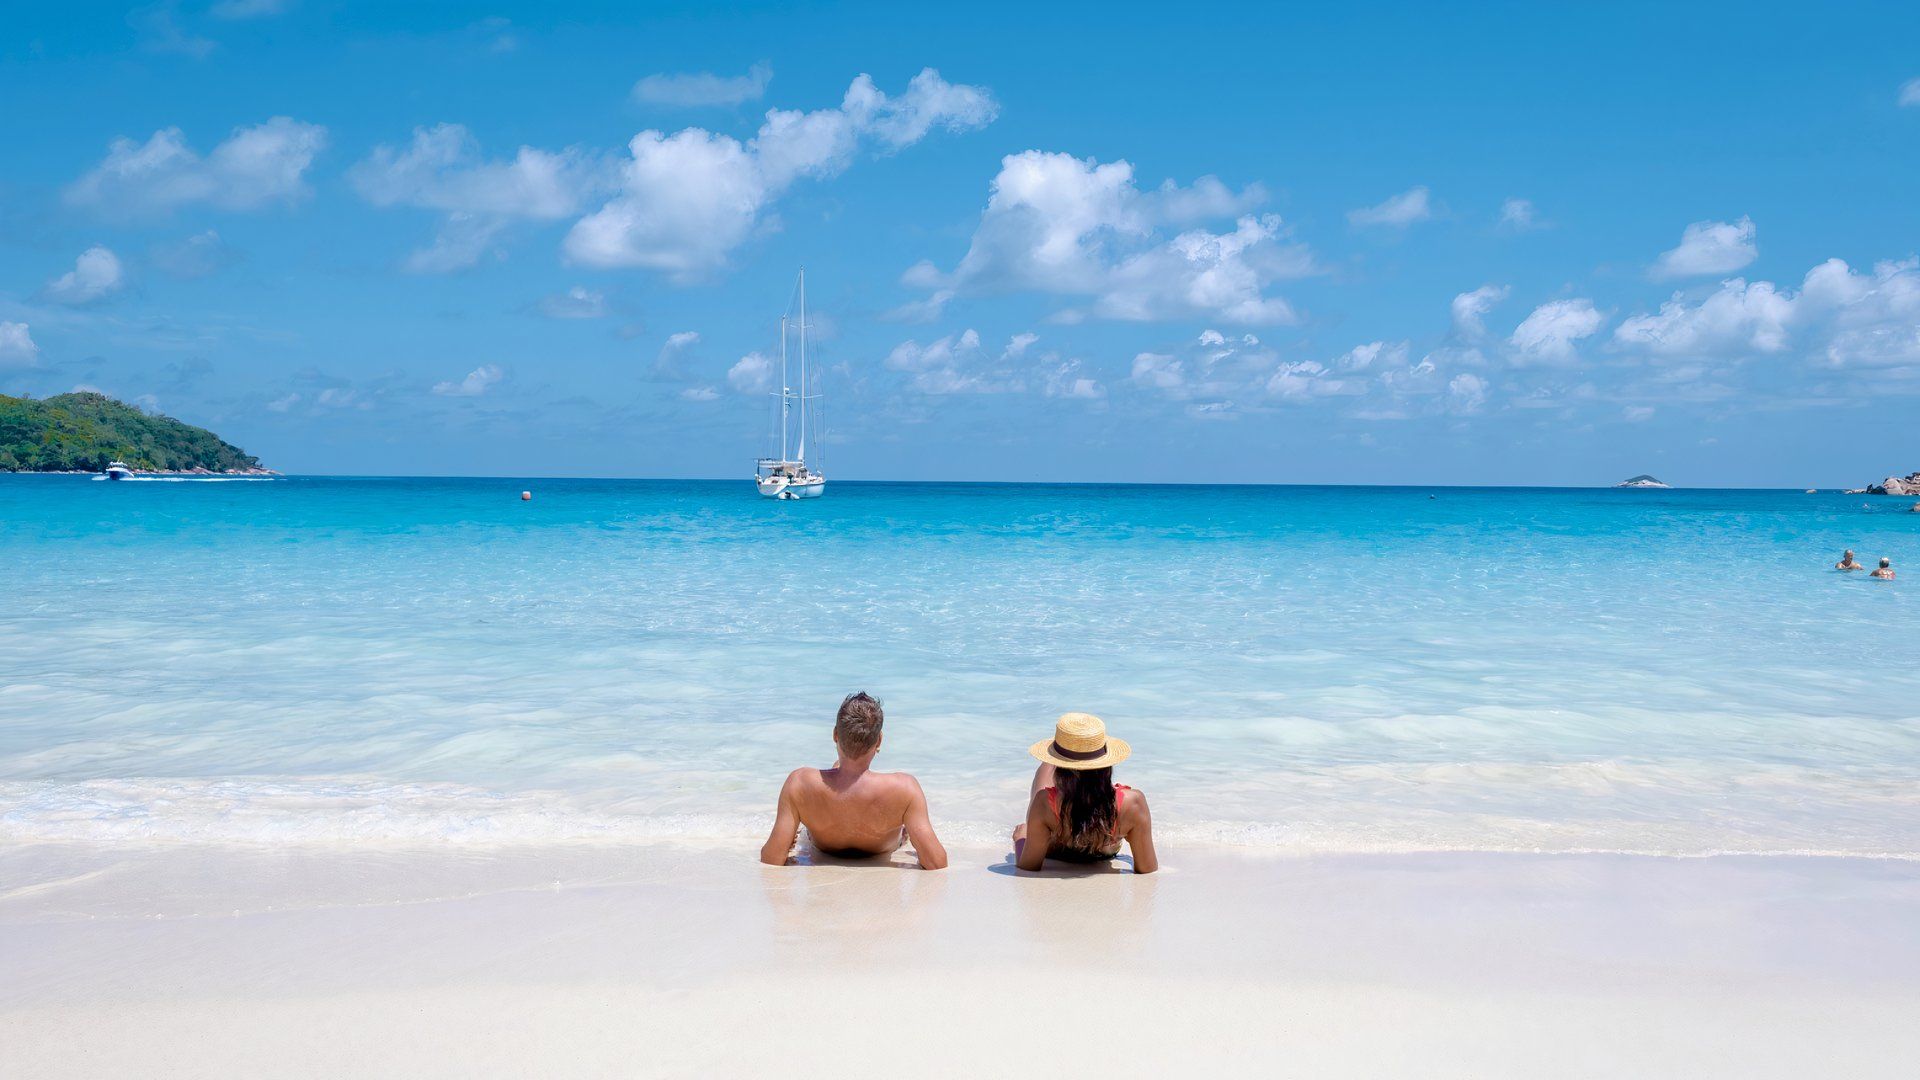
(1080, 742)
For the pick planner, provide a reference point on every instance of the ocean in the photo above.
(1299, 669)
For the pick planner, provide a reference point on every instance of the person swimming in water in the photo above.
(1847, 562)
(849, 810)
(1075, 812)
(1885, 570)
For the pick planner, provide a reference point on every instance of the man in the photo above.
(1847, 563)
(1885, 573)
(850, 811)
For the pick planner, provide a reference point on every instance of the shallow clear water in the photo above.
(1300, 668)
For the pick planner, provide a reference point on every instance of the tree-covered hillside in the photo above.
(85, 431)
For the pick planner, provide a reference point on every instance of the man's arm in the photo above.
(1033, 854)
(920, 831)
(786, 824)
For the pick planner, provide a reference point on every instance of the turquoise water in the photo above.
(1303, 669)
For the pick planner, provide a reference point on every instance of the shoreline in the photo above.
(658, 958)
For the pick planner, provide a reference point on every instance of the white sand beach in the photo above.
(678, 960)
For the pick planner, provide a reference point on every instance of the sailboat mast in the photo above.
(802, 455)
(783, 388)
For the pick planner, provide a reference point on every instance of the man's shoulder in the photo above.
(804, 776)
(903, 781)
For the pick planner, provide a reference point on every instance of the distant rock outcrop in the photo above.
(1642, 481)
(1896, 485)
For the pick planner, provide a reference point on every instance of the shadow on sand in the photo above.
(1053, 868)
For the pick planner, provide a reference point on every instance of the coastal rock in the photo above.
(1896, 485)
(1641, 481)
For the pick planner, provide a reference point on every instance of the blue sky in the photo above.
(1527, 244)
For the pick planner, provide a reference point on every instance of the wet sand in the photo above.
(671, 959)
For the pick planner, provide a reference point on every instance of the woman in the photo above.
(1076, 813)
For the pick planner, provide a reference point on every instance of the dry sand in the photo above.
(677, 960)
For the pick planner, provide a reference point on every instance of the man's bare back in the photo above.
(850, 810)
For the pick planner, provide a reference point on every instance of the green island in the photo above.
(82, 432)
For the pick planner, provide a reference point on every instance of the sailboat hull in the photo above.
(778, 487)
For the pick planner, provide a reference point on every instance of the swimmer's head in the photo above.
(1847, 554)
(1884, 563)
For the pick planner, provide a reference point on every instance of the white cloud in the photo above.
(578, 302)
(1737, 318)
(926, 310)
(1469, 308)
(161, 32)
(442, 169)
(1519, 215)
(1298, 379)
(16, 346)
(1206, 199)
(942, 352)
(282, 404)
(1064, 380)
(1372, 354)
(248, 9)
(462, 242)
(704, 88)
(1839, 318)
(687, 200)
(343, 397)
(1160, 371)
(682, 339)
(1398, 212)
(1910, 93)
(752, 373)
(1547, 335)
(477, 382)
(1870, 320)
(1018, 345)
(95, 274)
(1059, 224)
(699, 393)
(1709, 247)
(1466, 392)
(196, 256)
(255, 166)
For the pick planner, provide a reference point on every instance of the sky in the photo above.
(1519, 244)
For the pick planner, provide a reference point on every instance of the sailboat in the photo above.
(789, 476)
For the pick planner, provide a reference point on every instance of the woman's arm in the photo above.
(1140, 836)
(1032, 854)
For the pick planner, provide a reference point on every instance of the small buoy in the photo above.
(526, 496)
(1813, 491)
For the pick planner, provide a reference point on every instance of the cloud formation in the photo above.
(1470, 308)
(578, 302)
(255, 166)
(477, 382)
(1397, 212)
(443, 169)
(1519, 215)
(1709, 247)
(96, 274)
(16, 346)
(687, 200)
(1076, 227)
(704, 88)
(1548, 334)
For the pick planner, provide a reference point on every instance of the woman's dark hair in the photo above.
(1086, 806)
